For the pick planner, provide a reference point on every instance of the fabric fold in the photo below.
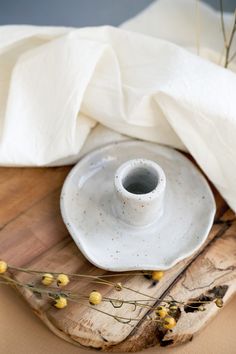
(56, 84)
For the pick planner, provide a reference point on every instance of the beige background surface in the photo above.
(21, 332)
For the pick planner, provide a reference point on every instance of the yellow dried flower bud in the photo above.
(62, 280)
(95, 298)
(219, 302)
(201, 308)
(47, 279)
(3, 267)
(118, 287)
(173, 307)
(162, 311)
(169, 322)
(60, 303)
(157, 275)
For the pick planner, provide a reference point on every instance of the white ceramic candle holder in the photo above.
(136, 205)
(139, 190)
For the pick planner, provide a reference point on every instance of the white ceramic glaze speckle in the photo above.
(171, 221)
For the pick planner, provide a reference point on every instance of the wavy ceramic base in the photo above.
(88, 205)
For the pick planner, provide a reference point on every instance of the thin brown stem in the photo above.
(97, 278)
(231, 37)
(227, 43)
(9, 281)
(109, 314)
(77, 275)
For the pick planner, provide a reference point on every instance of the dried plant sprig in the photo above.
(165, 314)
(99, 279)
(227, 43)
(34, 271)
(96, 277)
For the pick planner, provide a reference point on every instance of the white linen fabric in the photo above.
(56, 84)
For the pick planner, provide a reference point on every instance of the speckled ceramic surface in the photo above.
(136, 205)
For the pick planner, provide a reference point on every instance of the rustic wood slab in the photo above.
(33, 235)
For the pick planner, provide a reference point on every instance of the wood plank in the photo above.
(21, 188)
(33, 232)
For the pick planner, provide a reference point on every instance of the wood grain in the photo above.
(32, 234)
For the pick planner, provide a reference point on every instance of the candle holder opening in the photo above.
(141, 180)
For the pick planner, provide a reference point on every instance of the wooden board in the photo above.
(33, 235)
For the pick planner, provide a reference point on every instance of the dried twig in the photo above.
(165, 315)
(227, 43)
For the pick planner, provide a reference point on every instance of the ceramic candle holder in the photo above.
(135, 205)
(139, 192)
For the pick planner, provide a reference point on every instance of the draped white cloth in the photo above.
(158, 78)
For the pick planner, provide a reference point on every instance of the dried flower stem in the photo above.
(60, 296)
(33, 271)
(227, 43)
(52, 290)
(96, 278)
